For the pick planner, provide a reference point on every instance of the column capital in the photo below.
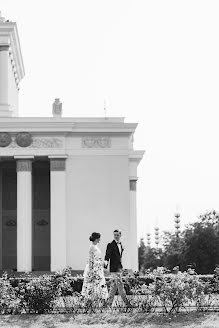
(132, 183)
(57, 163)
(4, 47)
(24, 165)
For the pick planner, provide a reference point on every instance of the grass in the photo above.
(110, 320)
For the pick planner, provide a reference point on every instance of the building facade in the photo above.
(61, 178)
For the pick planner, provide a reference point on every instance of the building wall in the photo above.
(97, 200)
(95, 192)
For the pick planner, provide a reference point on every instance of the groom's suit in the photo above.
(114, 252)
(113, 255)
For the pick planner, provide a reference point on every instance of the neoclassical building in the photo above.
(61, 178)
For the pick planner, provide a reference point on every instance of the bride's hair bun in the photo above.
(94, 236)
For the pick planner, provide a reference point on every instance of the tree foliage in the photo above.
(196, 246)
(149, 258)
(201, 243)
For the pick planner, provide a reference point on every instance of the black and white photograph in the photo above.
(109, 164)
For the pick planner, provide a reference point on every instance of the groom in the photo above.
(113, 257)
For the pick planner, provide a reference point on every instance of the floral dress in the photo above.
(94, 285)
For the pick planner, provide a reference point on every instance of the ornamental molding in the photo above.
(47, 143)
(9, 218)
(24, 139)
(96, 142)
(5, 139)
(41, 217)
(11, 223)
(42, 222)
(41, 143)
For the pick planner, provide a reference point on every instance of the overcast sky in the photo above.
(156, 63)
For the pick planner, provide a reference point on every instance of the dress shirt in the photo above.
(119, 245)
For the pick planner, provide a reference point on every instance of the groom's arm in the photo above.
(108, 254)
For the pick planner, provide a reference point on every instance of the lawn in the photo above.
(109, 320)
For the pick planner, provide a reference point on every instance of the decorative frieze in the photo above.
(24, 139)
(57, 164)
(47, 143)
(5, 139)
(41, 143)
(24, 165)
(96, 142)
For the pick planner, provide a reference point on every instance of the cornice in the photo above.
(65, 125)
(136, 155)
(9, 35)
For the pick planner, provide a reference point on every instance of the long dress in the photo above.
(94, 285)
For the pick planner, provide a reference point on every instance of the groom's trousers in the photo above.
(116, 283)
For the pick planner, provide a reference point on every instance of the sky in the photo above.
(156, 63)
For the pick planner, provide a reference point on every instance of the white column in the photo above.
(133, 224)
(4, 60)
(58, 213)
(24, 214)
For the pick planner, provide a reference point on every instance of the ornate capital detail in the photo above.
(24, 139)
(132, 185)
(24, 165)
(57, 164)
(5, 139)
(96, 142)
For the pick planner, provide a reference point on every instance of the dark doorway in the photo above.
(41, 215)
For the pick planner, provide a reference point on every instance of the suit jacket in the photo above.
(113, 255)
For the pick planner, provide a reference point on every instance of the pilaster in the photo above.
(24, 214)
(58, 212)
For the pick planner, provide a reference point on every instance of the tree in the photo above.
(149, 258)
(172, 250)
(153, 258)
(141, 254)
(201, 243)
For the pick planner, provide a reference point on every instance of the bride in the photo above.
(94, 285)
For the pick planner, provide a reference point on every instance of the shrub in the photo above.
(9, 303)
(36, 295)
(49, 293)
(174, 292)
